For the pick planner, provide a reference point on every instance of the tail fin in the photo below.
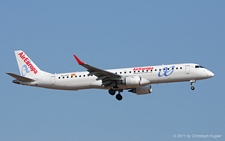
(26, 65)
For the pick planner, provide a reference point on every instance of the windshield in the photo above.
(197, 66)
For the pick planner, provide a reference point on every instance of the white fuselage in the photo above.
(137, 80)
(154, 74)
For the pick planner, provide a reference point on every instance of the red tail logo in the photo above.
(27, 62)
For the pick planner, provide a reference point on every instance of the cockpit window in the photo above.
(199, 66)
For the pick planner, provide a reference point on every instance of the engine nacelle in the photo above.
(135, 81)
(142, 90)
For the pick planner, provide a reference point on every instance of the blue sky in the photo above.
(112, 35)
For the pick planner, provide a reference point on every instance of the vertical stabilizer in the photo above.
(26, 65)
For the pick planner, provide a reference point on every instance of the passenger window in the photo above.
(155, 69)
(130, 71)
(59, 77)
(177, 68)
(120, 72)
(180, 67)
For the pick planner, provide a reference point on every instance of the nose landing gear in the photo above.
(192, 84)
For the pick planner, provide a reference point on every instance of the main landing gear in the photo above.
(118, 96)
(112, 92)
(192, 84)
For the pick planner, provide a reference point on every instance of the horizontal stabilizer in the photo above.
(20, 78)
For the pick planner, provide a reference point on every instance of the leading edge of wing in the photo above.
(96, 71)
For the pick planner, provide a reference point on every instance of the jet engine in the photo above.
(134, 81)
(142, 90)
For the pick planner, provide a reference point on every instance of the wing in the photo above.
(103, 75)
(20, 78)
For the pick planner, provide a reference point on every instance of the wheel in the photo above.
(119, 97)
(192, 87)
(112, 92)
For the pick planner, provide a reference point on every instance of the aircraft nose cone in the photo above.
(210, 74)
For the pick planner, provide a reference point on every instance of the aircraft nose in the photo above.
(210, 74)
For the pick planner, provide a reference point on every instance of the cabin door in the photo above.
(187, 69)
(53, 80)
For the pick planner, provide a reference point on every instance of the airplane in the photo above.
(137, 80)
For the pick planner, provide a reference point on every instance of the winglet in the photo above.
(78, 60)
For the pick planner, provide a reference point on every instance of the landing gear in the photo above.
(112, 92)
(192, 84)
(119, 97)
(114, 85)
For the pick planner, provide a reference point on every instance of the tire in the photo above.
(112, 92)
(119, 97)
